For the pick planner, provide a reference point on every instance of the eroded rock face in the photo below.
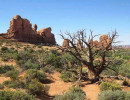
(80, 44)
(47, 35)
(104, 40)
(21, 30)
(65, 43)
(35, 27)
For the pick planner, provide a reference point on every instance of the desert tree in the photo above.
(93, 54)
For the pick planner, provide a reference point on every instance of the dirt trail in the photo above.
(92, 91)
(58, 87)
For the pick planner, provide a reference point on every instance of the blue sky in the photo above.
(101, 16)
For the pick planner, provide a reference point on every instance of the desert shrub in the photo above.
(60, 62)
(35, 74)
(25, 48)
(53, 60)
(112, 95)
(76, 89)
(14, 84)
(8, 54)
(74, 93)
(30, 50)
(36, 88)
(55, 52)
(109, 72)
(39, 46)
(4, 49)
(48, 69)
(70, 96)
(15, 95)
(1, 86)
(68, 61)
(30, 65)
(109, 86)
(125, 70)
(68, 76)
(113, 68)
(27, 60)
(5, 58)
(127, 96)
(6, 68)
(12, 50)
(125, 83)
(13, 74)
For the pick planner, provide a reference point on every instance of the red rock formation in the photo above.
(94, 43)
(21, 30)
(65, 43)
(47, 35)
(35, 27)
(104, 40)
(80, 45)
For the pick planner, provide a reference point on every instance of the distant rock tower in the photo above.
(35, 27)
(65, 43)
(80, 44)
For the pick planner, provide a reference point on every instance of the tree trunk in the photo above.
(80, 73)
(92, 76)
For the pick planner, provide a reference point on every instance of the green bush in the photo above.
(30, 50)
(30, 65)
(110, 72)
(14, 84)
(48, 69)
(52, 58)
(76, 89)
(70, 96)
(74, 93)
(109, 86)
(4, 49)
(8, 54)
(125, 70)
(68, 76)
(39, 46)
(112, 95)
(127, 96)
(125, 83)
(35, 74)
(6, 68)
(27, 60)
(12, 74)
(36, 88)
(15, 95)
(1, 86)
